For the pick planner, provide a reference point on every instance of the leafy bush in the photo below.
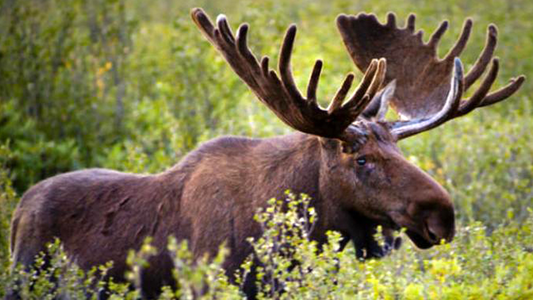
(291, 266)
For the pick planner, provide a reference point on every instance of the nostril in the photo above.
(431, 235)
(397, 243)
(440, 226)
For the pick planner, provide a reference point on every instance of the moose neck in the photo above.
(289, 162)
(298, 162)
(267, 168)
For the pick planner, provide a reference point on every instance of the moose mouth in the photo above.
(419, 240)
(419, 234)
(422, 238)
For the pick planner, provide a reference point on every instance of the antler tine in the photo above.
(280, 94)
(377, 82)
(339, 97)
(481, 92)
(484, 58)
(223, 26)
(436, 36)
(373, 79)
(364, 86)
(264, 66)
(358, 106)
(202, 21)
(285, 63)
(461, 42)
(411, 22)
(242, 46)
(378, 78)
(505, 92)
(391, 20)
(313, 81)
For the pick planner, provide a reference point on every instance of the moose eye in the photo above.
(361, 161)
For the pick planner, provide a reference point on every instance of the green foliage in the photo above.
(8, 201)
(55, 276)
(62, 83)
(291, 266)
(133, 86)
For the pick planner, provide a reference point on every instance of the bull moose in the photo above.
(345, 157)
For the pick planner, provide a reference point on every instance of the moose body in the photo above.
(209, 198)
(345, 158)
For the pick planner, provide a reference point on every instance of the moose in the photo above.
(345, 157)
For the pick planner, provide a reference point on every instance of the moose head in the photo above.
(362, 172)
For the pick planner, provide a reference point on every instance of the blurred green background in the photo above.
(133, 86)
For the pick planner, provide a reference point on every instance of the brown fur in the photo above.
(210, 198)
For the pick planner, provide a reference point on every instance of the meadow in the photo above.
(133, 86)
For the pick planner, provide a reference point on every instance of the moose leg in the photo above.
(157, 275)
(364, 239)
(28, 239)
(367, 247)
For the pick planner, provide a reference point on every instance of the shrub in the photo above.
(291, 266)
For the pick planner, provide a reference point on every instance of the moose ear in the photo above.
(378, 107)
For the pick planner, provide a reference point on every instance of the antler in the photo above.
(281, 95)
(427, 92)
